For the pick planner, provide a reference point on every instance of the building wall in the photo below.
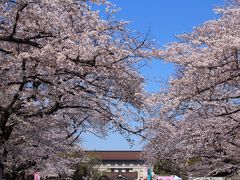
(139, 168)
(114, 162)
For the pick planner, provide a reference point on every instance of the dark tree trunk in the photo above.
(1, 170)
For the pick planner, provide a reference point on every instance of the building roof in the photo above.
(116, 155)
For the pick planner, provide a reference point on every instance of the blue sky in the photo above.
(166, 18)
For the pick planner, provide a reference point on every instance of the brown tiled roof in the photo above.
(128, 175)
(116, 155)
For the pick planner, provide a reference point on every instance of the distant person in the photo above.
(36, 176)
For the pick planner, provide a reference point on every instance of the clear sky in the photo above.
(166, 18)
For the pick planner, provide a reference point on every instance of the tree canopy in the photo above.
(64, 70)
(198, 119)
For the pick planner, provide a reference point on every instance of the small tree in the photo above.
(80, 172)
(87, 169)
(103, 177)
(165, 167)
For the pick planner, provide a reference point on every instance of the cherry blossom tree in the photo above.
(65, 69)
(198, 119)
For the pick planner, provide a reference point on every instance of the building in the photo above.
(121, 165)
